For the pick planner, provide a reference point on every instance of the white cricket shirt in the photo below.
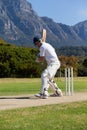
(49, 53)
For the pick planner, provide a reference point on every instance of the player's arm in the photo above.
(41, 59)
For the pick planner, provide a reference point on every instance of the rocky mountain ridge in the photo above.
(19, 23)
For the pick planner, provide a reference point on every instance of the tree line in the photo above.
(16, 61)
(80, 51)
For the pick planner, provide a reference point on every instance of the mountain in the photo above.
(19, 23)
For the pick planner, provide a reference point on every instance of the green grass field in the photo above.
(66, 116)
(31, 86)
(69, 116)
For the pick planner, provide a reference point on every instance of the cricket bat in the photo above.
(43, 35)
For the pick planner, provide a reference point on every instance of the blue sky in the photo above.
(69, 12)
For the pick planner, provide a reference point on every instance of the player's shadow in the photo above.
(19, 97)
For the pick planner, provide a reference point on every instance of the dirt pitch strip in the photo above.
(13, 102)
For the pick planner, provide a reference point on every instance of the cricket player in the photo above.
(48, 53)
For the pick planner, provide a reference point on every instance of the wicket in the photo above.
(69, 87)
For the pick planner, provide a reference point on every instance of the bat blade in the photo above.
(43, 35)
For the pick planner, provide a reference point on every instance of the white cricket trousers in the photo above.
(48, 74)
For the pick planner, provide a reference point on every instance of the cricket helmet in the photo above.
(36, 39)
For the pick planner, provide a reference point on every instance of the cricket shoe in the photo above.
(41, 96)
(58, 93)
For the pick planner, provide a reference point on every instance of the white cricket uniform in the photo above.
(53, 64)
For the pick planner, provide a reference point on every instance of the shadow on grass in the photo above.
(19, 97)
